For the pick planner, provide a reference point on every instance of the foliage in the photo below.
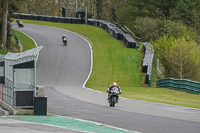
(7, 8)
(180, 57)
(178, 29)
(188, 12)
(159, 14)
(148, 28)
(12, 43)
(160, 46)
(183, 59)
(98, 8)
(26, 41)
(12, 47)
(40, 7)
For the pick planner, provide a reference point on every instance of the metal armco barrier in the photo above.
(179, 84)
(115, 31)
(111, 28)
(147, 63)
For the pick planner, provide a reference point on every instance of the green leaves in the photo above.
(180, 57)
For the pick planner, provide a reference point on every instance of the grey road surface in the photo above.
(63, 71)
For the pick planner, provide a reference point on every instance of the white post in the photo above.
(76, 8)
(76, 5)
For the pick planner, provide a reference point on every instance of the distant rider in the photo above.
(19, 23)
(64, 39)
(111, 87)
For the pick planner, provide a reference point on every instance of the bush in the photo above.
(177, 30)
(148, 28)
(180, 57)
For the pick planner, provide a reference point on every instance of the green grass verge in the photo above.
(26, 41)
(163, 95)
(155, 75)
(13, 46)
(3, 51)
(113, 62)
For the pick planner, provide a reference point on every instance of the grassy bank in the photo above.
(12, 45)
(3, 51)
(27, 42)
(114, 62)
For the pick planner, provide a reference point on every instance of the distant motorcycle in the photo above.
(114, 96)
(65, 41)
(20, 24)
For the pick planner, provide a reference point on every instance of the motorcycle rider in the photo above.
(111, 87)
(64, 38)
(19, 23)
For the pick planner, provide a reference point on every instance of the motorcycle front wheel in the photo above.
(113, 101)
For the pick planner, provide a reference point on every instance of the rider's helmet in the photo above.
(63, 34)
(114, 84)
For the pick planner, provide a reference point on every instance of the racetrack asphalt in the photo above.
(62, 70)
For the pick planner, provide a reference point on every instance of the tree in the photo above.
(179, 29)
(39, 7)
(161, 47)
(98, 5)
(148, 28)
(111, 8)
(4, 24)
(183, 59)
(180, 57)
(8, 7)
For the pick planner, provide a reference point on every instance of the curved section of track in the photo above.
(64, 69)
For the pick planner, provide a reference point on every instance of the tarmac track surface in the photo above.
(63, 71)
